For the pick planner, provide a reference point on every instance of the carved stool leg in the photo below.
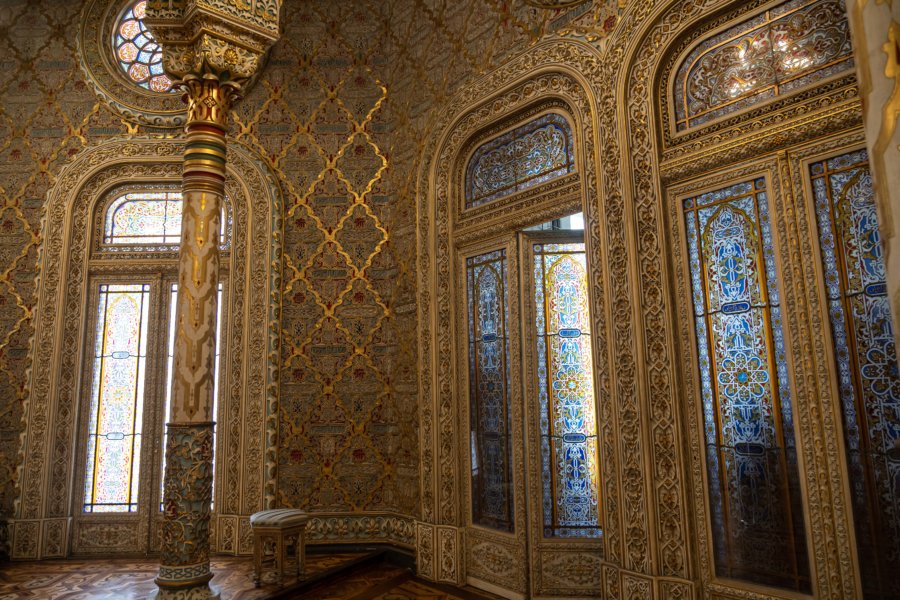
(301, 552)
(282, 557)
(257, 559)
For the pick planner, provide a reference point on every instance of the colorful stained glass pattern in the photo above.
(150, 220)
(138, 53)
(570, 467)
(528, 155)
(170, 358)
(866, 356)
(144, 218)
(757, 517)
(790, 46)
(117, 399)
(492, 503)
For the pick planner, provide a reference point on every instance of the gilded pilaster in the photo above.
(875, 26)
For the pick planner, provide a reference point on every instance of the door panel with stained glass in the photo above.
(560, 404)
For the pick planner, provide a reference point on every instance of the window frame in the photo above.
(158, 267)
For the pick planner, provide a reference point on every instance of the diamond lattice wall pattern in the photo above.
(341, 114)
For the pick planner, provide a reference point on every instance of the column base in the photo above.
(203, 592)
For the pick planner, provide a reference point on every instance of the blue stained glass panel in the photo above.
(868, 379)
(492, 503)
(568, 424)
(757, 518)
(530, 154)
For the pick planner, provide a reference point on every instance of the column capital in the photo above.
(222, 40)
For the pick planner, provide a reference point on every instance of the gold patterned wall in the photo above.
(341, 113)
(48, 113)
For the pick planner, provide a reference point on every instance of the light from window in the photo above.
(138, 53)
(117, 398)
(529, 155)
(869, 382)
(150, 220)
(570, 467)
(170, 374)
(144, 218)
(790, 46)
(757, 519)
(492, 504)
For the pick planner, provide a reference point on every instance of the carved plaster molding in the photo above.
(479, 111)
(214, 39)
(659, 27)
(249, 405)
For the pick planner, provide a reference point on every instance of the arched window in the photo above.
(133, 330)
(524, 157)
(757, 519)
(788, 47)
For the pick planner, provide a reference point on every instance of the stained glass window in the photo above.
(117, 399)
(170, 359)
(528, 155)
(789, 46)
(150, 220)
(869, 382)
(757, 518)
(568, 425)
(138, 53)
(492, 504)
(144, 218)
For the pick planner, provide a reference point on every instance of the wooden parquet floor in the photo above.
(384, 581)
(130, 579)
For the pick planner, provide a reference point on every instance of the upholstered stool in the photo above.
(277, 529)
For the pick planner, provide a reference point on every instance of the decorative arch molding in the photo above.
(247, 436)
(639, 161)
(556, 74)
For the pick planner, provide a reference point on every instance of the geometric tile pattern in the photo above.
(341, 113)
(47, 114)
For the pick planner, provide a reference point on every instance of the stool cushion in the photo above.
(279, 517)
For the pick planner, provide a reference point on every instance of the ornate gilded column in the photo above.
(875, 25)
(211, 48)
